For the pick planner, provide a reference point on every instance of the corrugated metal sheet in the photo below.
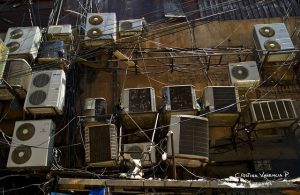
(206, 9)
(247, 9)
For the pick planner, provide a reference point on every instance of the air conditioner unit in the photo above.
(130, 27)
(32, 144)
(273, 41)
(3, 57)
(222, 103)
(142, 151)
(244, 74)
(60, 32)
(100, 28)
(191, 140)
(46, 93)
(221, 99)
(51, 51)
(94, 108)
(273, 113)
(101, 145)
(137, 100)
(23, 42)
(17, 74)
(179, 97)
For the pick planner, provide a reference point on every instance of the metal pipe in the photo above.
(173, 156)
(61, 3)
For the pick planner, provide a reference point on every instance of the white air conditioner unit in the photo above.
(100, 28)
(23, 42)
(273, 113)
(17, 74)
(32, 144)
(130, 27)
(222, 103)
(46, 93)
(138, 100)
(60, 32)
(94, 108)
(244, 74)
(142, 151)
(101, 145)
(179, 97)
(274, 41)
(191, 140)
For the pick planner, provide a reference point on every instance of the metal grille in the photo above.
(37, 97)
(273, 110)
(193, 137)
(41, 80)
(100, 108)
(224, 97)
(51, 49)
(99, 144)
(181, 98)
(140, 100)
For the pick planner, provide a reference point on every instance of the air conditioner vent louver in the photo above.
(240, 72)
(272, 45)
(126, 25)
(94, 33)
(25, 132)
(37, 97)
(21, 154)
(41, 80)
(16, 34)
(267, 31)
(273, 113)
(193, 137)
(13, 46)
(95, 20)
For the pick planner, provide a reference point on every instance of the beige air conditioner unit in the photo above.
(23, 42)
(60, 32)
(222, 103)
(179, 97)
(17, 74)
(130, 27)
(101, 145)
(141, 151)
(273, 113)
(191, 140)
